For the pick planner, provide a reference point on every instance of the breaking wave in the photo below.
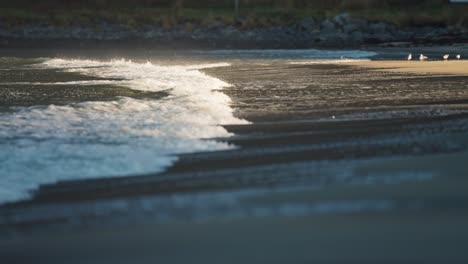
(127, 136)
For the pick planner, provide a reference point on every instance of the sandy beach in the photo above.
(359, 162)
(455, 67)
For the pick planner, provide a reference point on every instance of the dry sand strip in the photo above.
(432, 67)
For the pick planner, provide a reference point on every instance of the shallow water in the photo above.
(371, 165)
(73, 118)
(67, 119)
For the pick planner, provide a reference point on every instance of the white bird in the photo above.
(458, 56)
(410, 56)
(446, 57)
(422, 57)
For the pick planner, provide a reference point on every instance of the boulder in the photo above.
(327, 27)
(349, 28)
(332, 40)
(356, 38)
(379, 38)
(229, 31)
(377, 28)
(342, 19)
(306, 24)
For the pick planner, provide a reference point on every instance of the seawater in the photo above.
(126, 136)
(66, 119)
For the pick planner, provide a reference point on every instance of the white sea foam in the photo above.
(84, 83)
(43, 144)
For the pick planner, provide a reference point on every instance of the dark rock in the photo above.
(230, 31)
(356, 38)
(216, 25)
(361, 24)
(307, 24)
(333, 40)
(384, 37)
(377, 28)
(391, 29)
(155, 34)
(403, 36)
(327, 27)
(349, 28)
(4, 33)
(436, 33)
(340, 31)
(378, 38)
(342, 20)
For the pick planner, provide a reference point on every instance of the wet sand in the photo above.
(366, 177)
(354, 238)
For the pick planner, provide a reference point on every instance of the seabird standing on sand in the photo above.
(422, 57)
(410, 56)
(446, 57)
(458, 56)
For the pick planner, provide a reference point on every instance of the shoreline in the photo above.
(263, 133)
(276, 133)
(219, 42)
(296, 189)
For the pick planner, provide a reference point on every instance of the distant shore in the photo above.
(340, 31)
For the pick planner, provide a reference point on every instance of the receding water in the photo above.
(69, 119)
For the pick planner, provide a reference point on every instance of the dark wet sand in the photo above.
(361, 238)
(358, 218)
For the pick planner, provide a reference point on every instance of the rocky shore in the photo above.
(341, 31)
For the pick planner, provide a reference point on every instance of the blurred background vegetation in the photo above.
(251, 13)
